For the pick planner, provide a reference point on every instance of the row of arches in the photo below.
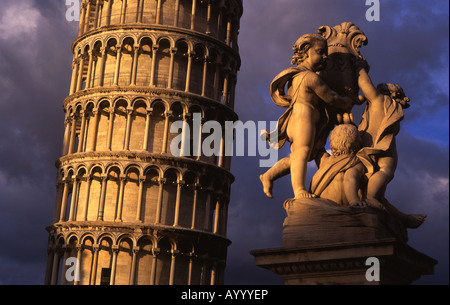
(161, 63)
(121, 125)
(218, 18)
(131, 260)
(96, 192)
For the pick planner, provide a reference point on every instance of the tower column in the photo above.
(152, 72)
(155, 253)
(167, 114)
(97, 11)
(73, 82)
(81, 138)
(73, 203)
(139, 203)
(205, 71)
(117, 70)
(95, 250)
(146, 132)
(217, 216)
(158, 12)
(96, 113)
(194, 205)
(173, 51)
(82, 19)
(128, 129)
(56, 257)
(122, 179)
(135, 65)
(73, 135)
(87, 15)
(140, 11)
(123, 11)
(111, 111)
(101, 204)
(62, 215)
(172, 266)
(161, 182)
(180, 184)
(177, 13)
(89, 73)
(79, 249)
(184, 139)
(194, 7)
(135, 252)
(115, 252)
(80, 73)
(229, 28)
(188, 73)
(86, 202)
(102, 66)
(108, 13)
(208, 18)
(206, 220)
(225, 90)
(66, 140)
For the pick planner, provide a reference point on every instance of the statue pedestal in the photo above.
(324, 243)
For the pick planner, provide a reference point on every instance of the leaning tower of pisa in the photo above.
(127, 209)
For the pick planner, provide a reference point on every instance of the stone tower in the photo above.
(127, 209)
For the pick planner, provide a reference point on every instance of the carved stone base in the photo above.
(324, 243)
(345, 263)
(316, 220)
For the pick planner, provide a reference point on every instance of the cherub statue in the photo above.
(340, 174)
(304, 122)
(379, 125)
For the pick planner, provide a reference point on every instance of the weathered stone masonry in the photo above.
(125, 206)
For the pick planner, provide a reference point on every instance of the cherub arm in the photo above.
(368, 89)
(325, 93)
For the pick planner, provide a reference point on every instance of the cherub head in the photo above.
(395, 92)
(345, 139)
(311, 50)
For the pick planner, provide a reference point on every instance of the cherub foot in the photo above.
(304, 194)
(414, 221)
(359, 204)
(267, 185)
(375, 203)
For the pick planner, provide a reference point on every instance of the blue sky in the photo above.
(408, 46)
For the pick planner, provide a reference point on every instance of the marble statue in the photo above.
(305, 120)
(344, 217)
(319, 93)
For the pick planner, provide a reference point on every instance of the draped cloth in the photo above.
(388, 129)
(278, 137)
(329, 169)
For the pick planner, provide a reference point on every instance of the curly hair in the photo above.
(302, 45)
(395, 92)
(345, 139)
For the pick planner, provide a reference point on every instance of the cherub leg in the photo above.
(411, 221)
(300, 154)
(378, 181)
(280, 169)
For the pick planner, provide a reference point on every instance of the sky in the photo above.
(408, 46)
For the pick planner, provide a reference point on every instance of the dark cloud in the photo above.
(408, 46)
